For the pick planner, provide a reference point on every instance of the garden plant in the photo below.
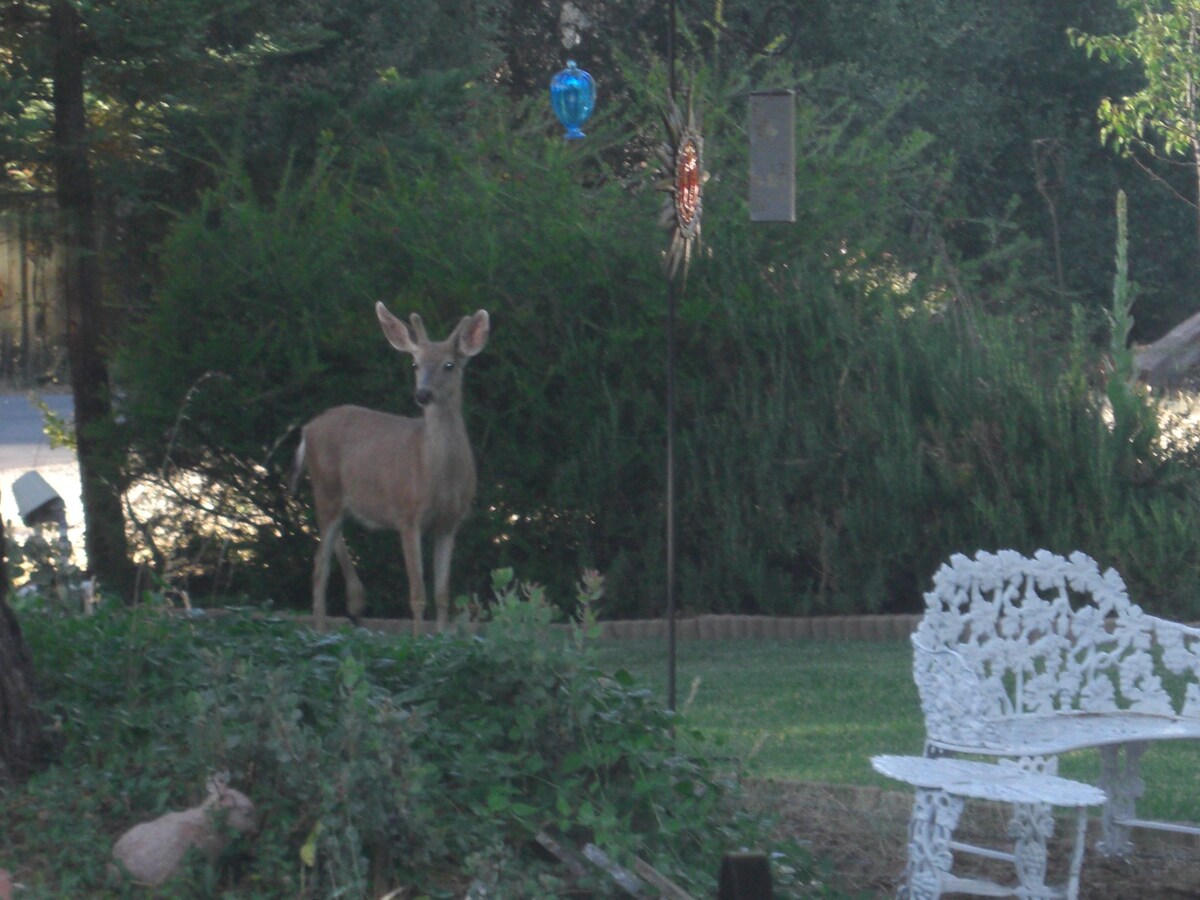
(374, 762)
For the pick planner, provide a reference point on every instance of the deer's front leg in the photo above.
(443, 550)
(410, 539)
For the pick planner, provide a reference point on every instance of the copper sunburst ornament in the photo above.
(682, 176)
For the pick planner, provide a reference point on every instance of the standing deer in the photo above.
(415, 476)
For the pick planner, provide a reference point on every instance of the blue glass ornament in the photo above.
(573, 96)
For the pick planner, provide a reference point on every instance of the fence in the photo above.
(31, 317)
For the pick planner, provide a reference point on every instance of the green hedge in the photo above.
(374, 762)
(853, 405)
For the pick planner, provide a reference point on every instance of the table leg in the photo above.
(1031, 827)
(934, 817)
(1076, 869)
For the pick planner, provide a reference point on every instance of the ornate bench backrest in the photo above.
(955, 702)
(1035, 635)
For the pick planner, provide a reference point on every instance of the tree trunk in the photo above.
(99, 464)
(24, 743)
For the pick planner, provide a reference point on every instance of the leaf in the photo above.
(572, 762)
(498, 799)
(308, 852)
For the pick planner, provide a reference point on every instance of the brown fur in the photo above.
(151, 852)
(415, 476)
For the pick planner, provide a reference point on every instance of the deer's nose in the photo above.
(424, 396)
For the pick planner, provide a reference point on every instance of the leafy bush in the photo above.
(373, 761)
(273, 297)
(276, 297)
(855, 404)
(881, 428)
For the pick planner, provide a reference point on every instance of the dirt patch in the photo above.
(863, 833)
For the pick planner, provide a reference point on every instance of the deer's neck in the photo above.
(449, 467)
(444, 434)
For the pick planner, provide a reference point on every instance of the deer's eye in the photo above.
(448, 366)
(415, 365)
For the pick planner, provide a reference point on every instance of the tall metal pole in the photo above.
(671, 52)
(670, 498)
(671, 494)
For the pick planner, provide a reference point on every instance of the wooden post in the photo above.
(745, 876)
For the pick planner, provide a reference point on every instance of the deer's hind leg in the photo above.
(355, 599)
(331, 536)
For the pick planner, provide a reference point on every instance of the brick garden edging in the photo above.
(819, 628)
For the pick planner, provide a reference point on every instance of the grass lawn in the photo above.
(818, 711)
(801, 710)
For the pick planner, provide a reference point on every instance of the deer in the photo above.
(413, 475)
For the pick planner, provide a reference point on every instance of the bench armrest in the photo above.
(953, 699)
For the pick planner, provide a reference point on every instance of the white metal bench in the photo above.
(1028, 658)
(944, 784)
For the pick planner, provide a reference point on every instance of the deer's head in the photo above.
(438, 364)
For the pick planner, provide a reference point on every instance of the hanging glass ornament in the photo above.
(573, 97)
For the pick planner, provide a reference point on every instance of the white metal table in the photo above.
(944, 783)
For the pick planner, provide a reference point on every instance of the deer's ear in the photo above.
(394, 330)
(473, 333)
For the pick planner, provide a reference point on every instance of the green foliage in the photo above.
(1163, 43)
(861, 394)
(46, 569)
(373, 761)
(276, 297)
(854, 406)
(895, 439)
(1022, 156)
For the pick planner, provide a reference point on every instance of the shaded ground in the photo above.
(863, 832)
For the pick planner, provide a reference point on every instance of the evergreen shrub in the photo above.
(854, 405)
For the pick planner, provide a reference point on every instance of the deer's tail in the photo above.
(297, 468)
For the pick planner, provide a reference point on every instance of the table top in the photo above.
(1002, 782)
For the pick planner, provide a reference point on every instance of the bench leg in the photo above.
(934, 817)
(1124, 787)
